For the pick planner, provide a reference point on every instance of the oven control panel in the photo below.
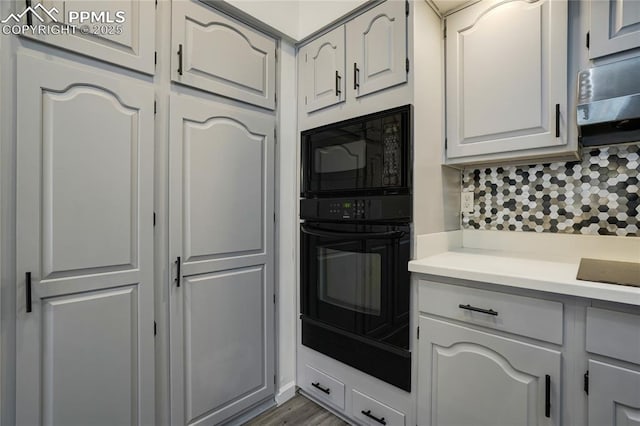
(390, 207)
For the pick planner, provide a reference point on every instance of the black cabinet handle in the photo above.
(557, 120)
(27, 278)
(177, 280)
(474, 309)
(371, 416)
(547, 396)
(356, 76)
(180, 59)
(319, 387)
(338, 78)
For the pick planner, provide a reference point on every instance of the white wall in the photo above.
(286, 279)
(297, 19)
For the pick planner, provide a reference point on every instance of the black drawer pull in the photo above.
(322, 389)
(557, 120)
(338, 81)
(371, 416)
(177, 280)
(474, 309)
(27, 285)
(547, 396)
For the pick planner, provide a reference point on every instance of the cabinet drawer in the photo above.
(526, 316)
(368, 411)
(323, 386)
(613, 334)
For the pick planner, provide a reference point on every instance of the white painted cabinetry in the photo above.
(322, 69)
(613, 388)
(84, 320)
(614, 27)
(377, 47)
(124, 35)
(218, 54)
(366, 55)
(468, 376)
(506, 86)
(221, 196)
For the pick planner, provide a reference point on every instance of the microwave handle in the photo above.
(331, 234)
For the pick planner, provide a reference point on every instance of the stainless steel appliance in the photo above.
(609, 103)
(355, 244)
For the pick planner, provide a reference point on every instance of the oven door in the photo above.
(355, 278)
(360, 156)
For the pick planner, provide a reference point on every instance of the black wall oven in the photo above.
(355, 244)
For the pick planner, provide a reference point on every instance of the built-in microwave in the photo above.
(364, 155)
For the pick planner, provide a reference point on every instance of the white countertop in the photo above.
(552, 270)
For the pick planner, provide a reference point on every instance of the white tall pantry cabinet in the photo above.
(86, 228)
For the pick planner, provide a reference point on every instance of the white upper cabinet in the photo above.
(322, 71)
(124, 36)
(615, 27)
(377, 47)
(506, 65)
(365, 56)
(212, 52)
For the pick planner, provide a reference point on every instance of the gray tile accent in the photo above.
(597, 195)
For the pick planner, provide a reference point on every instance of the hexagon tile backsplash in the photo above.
(598, 195)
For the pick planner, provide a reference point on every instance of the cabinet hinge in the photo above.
(154, 219)
(445, 143)
(155, 328)
(406, 8)
(586, 382)
(275, 135)
(305, 100)
(588, 39)
(275, 382)
(275, 98)
(274, 218)
(406, 64)
(155, 107)
(274, 298)
(445, 29)
(275, 54)
(156, 3)
(418, 333)
(155, 58)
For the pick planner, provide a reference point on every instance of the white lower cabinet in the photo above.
(84, 319)
(471, 377)
(368, 411)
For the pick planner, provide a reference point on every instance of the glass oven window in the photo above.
(350, 280)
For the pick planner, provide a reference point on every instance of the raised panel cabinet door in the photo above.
(506, 86)
(614, 395)
(468, 377)
(377, 48)
(322, 71)
(615, 26)
(215, 53)
(121, 32)
(84, 328)
(221, 199)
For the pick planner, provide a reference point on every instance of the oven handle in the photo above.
(373, 235)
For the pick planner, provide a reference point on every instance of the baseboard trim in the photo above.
(285, 393)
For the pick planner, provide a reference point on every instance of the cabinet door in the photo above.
(615, 26)
(221, 226)
(85, 350)
(322, 71)
(130, 43)
(218, 54)
(506, 84)
(614, 395)
(377, 48)
(469, 377)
